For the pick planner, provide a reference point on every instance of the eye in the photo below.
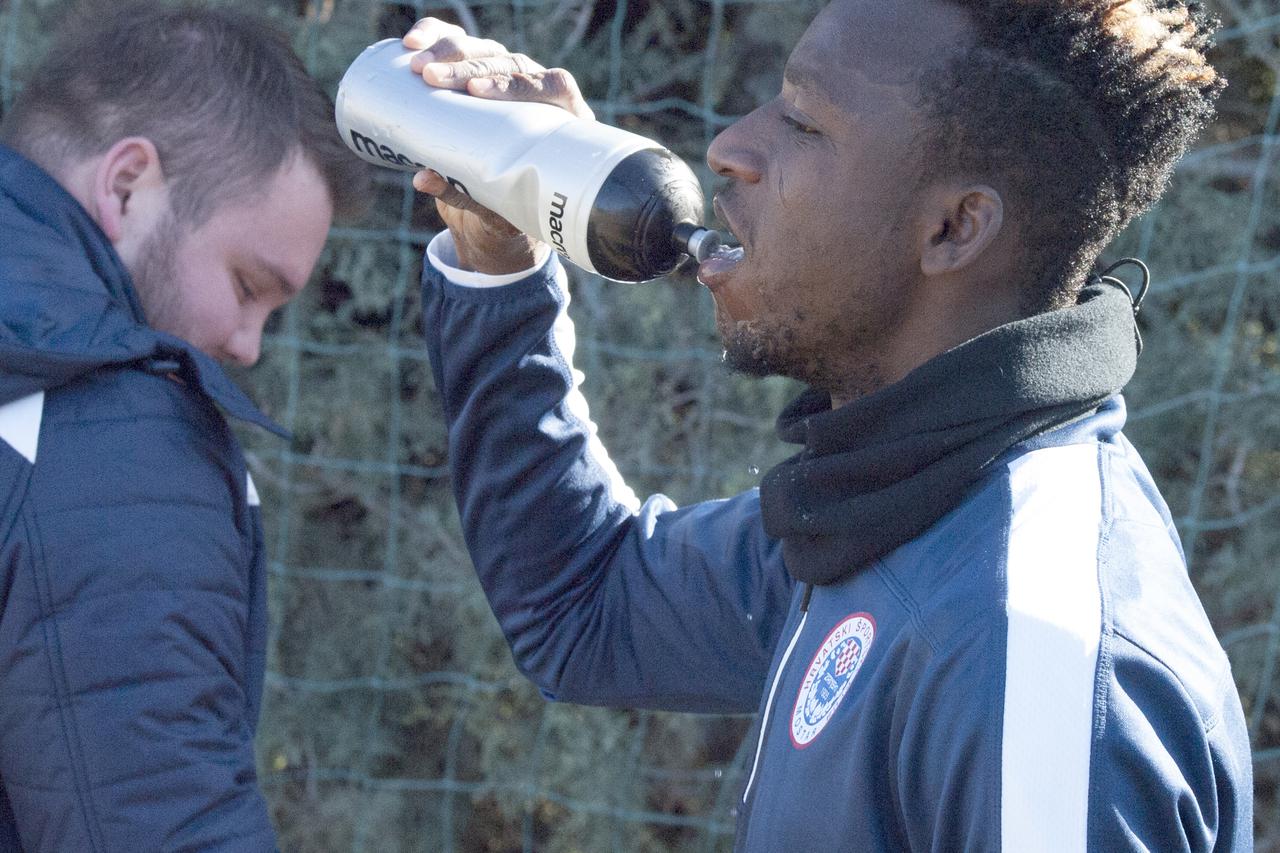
(246, 292)
(799, 126)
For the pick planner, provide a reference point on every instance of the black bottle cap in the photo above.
(632, 223)
(697, 242)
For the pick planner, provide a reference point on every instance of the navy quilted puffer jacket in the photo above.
(132, 579)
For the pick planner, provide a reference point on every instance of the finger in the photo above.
(428, 31)
(429, 182)
(450, 48)
(454, 75)
(433, 184)
(556, 87)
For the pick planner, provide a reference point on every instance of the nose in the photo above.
(245, 346)
(734, 153)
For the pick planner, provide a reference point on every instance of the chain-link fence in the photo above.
(394, 718)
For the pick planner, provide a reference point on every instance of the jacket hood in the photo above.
(879, 471)
(68, 306)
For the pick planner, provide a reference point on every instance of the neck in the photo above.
(946, 313)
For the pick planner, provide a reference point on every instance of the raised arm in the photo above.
(603, 601)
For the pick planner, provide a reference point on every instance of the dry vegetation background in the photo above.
(394, 718)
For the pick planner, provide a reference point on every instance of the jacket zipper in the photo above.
(773, 688)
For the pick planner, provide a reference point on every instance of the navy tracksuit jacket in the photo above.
(132, 581)
(1032, 674)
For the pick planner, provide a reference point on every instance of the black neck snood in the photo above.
(881, 470)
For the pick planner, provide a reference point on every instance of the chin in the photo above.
(753, 351)
(747, 365)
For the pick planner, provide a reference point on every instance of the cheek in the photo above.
(225, 320)
(816, 214)
(213, 314)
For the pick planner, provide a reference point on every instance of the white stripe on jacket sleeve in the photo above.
(564, 338)
(1055, 622)
(442, 254)
(20, 424)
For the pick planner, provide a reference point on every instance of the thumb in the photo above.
(454, 195)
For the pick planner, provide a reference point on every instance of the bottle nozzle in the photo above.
(697, 242)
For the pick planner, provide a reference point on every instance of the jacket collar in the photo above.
(882, 469)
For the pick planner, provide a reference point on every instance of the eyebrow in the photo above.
(802, 77)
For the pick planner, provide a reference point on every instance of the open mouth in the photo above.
(715, 270)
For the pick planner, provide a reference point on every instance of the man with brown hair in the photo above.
(167, 180)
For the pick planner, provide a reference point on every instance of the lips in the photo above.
(715, 271)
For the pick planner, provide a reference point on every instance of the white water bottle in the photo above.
(610, 201)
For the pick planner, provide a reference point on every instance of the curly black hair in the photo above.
(1077, 111)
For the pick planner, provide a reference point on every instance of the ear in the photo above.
(128, 189)
(964, 223)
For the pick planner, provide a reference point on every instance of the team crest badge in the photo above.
(830, 676)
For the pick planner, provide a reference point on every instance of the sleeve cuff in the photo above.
(443, 255)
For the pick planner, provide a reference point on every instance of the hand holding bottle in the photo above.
(451, 59)
(509, 149)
